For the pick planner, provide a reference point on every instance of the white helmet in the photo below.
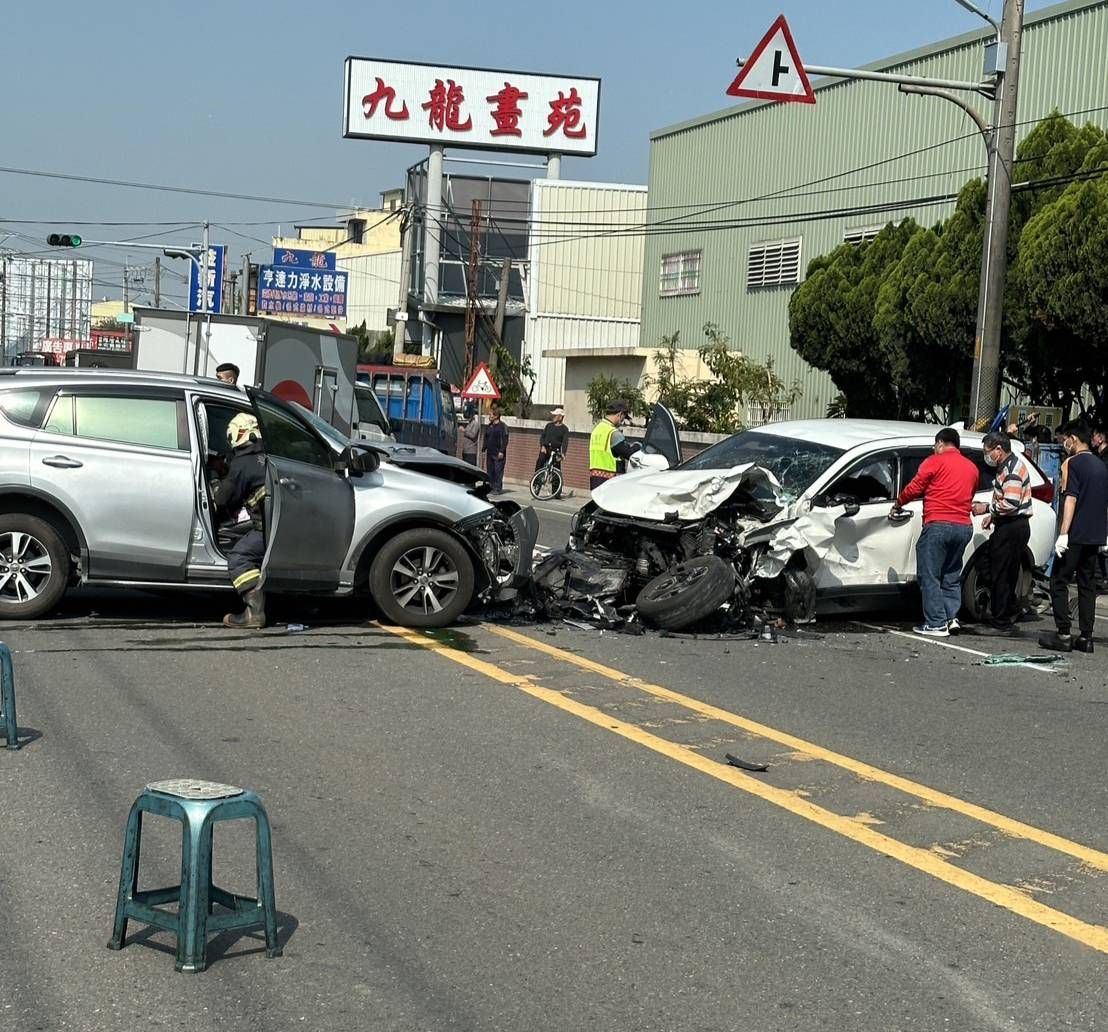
(242, 430)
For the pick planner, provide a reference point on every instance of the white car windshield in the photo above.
(795, 463)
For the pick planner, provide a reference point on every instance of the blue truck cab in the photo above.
(419, 405)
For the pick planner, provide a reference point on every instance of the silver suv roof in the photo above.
(60, 375)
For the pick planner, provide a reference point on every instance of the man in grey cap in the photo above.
(554, 440)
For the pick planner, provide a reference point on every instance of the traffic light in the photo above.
(63, 240)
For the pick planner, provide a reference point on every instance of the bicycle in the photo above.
(547, 481)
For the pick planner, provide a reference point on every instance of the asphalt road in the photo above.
(535, 827)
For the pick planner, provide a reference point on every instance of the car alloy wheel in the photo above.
(25, 567)
(424, 580)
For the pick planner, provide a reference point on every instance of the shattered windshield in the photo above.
(796, 464)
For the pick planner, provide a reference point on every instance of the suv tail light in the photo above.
(1044, 492)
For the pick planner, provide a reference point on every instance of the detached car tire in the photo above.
(34, 567)
(687, 593)
(422, 578)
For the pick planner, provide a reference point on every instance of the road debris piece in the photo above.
(734, 761)
(1014, 659)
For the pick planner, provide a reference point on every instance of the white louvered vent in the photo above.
(773, 263)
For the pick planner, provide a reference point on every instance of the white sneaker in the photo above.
(953, 626)
(932, 632)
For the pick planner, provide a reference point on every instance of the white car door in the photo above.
(869, 552)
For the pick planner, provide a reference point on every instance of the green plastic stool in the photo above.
(7, 698)
(197, 805)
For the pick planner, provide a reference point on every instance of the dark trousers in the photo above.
(1079, 559)
(470, 457)
(244, 561)
(1007, 547)
(495, 469)
(543, 459)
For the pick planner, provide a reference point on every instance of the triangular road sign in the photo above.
(774, 71)
(481, 384)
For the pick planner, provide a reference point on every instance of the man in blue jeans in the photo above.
(946, 482)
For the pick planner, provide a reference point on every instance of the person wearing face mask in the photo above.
(1081, 535)
(1008, 515)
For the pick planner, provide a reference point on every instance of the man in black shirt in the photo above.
(555, 439)
(1082, 534)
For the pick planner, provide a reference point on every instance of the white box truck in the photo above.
(314, 368)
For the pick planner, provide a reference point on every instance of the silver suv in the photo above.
(106, 478)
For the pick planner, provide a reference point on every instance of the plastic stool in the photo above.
(7, 698)
(197, 805)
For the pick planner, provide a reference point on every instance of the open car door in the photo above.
(662, 437)
(310, 516)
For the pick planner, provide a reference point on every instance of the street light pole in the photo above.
(985, 385)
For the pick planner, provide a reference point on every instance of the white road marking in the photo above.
(947, 645)
(557, 512)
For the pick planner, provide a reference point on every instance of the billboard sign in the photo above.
(304, 259)
(214, 284)
(470, 107)
(301, 291)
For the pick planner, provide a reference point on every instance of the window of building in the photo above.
(680, 274)
(861, 234)
(355, 230)
(773, 263)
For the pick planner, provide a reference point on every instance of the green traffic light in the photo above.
(74, 241)
(63, 240)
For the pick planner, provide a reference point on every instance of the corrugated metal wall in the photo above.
(891, 147)
(585, 288)
(373, 287)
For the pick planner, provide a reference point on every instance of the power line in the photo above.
(162, 188)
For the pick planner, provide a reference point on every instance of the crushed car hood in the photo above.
(678, 494)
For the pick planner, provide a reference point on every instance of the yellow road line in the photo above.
(1017, 829)
(1000, 895)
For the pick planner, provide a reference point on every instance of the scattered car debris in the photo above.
(734, 761)
(1014, 659)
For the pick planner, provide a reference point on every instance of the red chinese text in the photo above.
(507, 112)
(444, 109)
(388, 95)
(565, 114)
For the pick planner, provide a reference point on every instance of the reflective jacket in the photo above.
(600, 447)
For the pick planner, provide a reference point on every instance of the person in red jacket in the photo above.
(946, 482)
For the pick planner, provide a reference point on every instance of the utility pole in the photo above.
(158, 281)
(985, 385)
(472, 297)
(407, 245)
(126, 271)
(432, 244)
(4, 309)
(501, 309)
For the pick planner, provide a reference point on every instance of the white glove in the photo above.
(1061, 545)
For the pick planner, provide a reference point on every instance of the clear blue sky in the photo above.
(105, 89)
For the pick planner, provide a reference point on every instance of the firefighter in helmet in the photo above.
(244, 487)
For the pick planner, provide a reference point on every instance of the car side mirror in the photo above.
(851, 509)
(360, 460)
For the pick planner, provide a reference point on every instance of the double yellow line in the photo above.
(923, 860)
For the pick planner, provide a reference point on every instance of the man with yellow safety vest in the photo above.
(609, 450)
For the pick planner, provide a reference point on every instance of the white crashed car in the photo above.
(799, 514)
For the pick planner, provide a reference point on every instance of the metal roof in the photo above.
(885, 64)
